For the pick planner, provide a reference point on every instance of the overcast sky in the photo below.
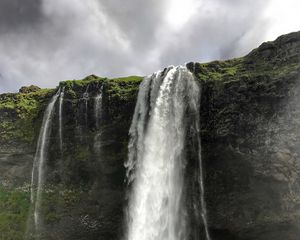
(43, 42)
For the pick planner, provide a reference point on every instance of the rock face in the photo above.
(251, 144)
(250, 121)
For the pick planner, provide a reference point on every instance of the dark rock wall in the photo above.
(251, 146)
(252, 174)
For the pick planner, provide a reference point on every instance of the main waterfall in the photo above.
(157, 158)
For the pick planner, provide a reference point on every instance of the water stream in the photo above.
(98, 107)
(60, 119)
(86, 97)
(38, 170)
(156, 162)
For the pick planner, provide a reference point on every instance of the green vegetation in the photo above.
(271, 60)
(123, 88)
(17, 114)
(219, 70)
(75, 88)
(14, 208)
(24, 103)
(244, 68)
(20, 111)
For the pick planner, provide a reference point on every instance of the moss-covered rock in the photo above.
(18, 113)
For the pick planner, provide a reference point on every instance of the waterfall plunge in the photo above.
(156, 161)
(61, 100)
(86, 97)
(97, 115)
(38, 170)
(98, 107)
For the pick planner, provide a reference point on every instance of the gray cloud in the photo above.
(18, 14)
(46, 41)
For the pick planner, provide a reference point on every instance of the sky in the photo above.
(43, 42)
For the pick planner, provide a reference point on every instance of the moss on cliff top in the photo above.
(271, 59)
(243, 68)
(123, 88)
(24, 103)
(17, 114)
(18, 111)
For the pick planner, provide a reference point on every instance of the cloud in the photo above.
(18, 14)
(45, 41)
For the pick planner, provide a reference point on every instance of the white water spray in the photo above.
(97, 114)
(86, 97)
(98, 107)
(38, 170)
(156, 160)
(61, 100)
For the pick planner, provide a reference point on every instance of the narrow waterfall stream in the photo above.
(98, 107)
(86, 97)
(156, 161)
(97, 115)
(60, 119)
(37, 221)
(38, 170)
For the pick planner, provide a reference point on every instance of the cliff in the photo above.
(250, 115)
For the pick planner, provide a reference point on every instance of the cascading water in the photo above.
(98, 107)
(86, 97)
(196, 108)
(60, 118)
(97, 113)
(156, 161)
(38, 170)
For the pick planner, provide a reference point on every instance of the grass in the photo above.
(14, 209)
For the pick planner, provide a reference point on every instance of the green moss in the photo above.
(24, 103)
(245, 68)
(75, 88)
(17, 112)
(219, 70)
(123, 88)
(20, 112)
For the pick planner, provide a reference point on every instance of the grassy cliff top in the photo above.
(273, 59)
(20, 112)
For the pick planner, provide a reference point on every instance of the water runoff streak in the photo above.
(156, 161)
(86, 97)
(38, 170)
(60, 118)
(97, 115)
(98, 107)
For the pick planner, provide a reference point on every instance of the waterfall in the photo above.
(156, 159)
(38, 170)
(86, 97)
(97, 114)
(98, 107)
(196, 109)
(61, 99)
